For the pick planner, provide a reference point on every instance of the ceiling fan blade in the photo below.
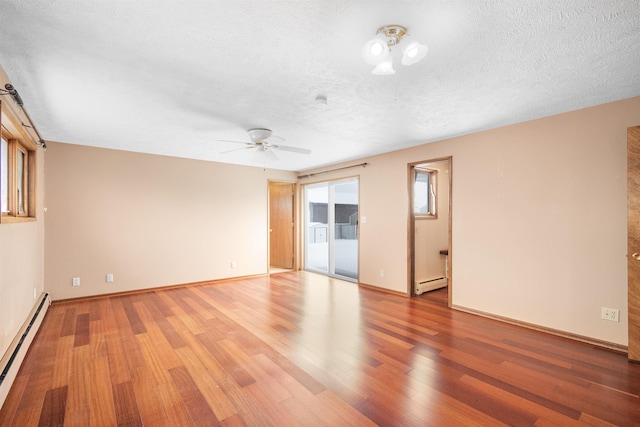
(236, 142)
(249, 146)
(292, 149)
(273, 139)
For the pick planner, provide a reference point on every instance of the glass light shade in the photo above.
(375, 50)
(384, 68)
(412, 51)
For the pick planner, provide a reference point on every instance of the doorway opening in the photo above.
(429, 237)
(331, 228)
(281, 226)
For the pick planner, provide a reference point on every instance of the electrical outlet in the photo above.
(76, 281)
(110, 278)
(612, 314)
(233, 264)
(381, 273)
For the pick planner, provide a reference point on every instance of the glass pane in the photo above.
(421, 194)
(317, 227)
(20, 182)
(345, 198)
(4, 164)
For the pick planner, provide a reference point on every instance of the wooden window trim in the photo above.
(17, 139)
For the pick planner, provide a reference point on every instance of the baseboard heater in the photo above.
(14, 356)
(430, 285)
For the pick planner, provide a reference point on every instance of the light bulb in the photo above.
(377, 48)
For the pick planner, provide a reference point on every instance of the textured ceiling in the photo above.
(173, 77)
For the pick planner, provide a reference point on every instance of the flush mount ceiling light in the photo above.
(377, 51)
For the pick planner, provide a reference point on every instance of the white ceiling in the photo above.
(172, 77)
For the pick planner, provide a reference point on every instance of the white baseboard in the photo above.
(14, 356)
(430, 285)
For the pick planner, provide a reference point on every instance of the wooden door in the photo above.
(281, 224)
(633, 239)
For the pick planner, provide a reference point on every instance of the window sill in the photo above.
(15, 219)
(426, 217)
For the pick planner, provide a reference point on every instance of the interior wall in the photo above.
(538, 219)
(21, 264)
(432, 235)
(150, 220)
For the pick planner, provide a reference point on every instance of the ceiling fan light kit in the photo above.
(378, 50)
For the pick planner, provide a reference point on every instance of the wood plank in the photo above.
(134, 319)
(227, 359)
(69, 322)
(126, 407)
(79, 392)
(119, 369)
(173, 406)
(193, 399)
(82, 330)
(63, 361)
(148, 400)
(206, 373)
(101, 404)
(53, 408)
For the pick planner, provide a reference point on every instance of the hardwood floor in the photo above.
(301, 349)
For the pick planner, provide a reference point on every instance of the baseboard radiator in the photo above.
(14, 356)
(430, 285)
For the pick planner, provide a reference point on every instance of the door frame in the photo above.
(411, 226)
(633, 239)
(295, 235)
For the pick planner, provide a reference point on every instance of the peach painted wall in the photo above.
(539, 219)
(21, 267)
(150, 220)
(21, 262)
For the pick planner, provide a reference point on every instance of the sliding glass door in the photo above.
(331, 228)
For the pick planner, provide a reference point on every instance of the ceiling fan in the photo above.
(263, 140)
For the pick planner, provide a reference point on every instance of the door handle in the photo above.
(635, 256)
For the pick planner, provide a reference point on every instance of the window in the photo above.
(17, 171)
(424, 193)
